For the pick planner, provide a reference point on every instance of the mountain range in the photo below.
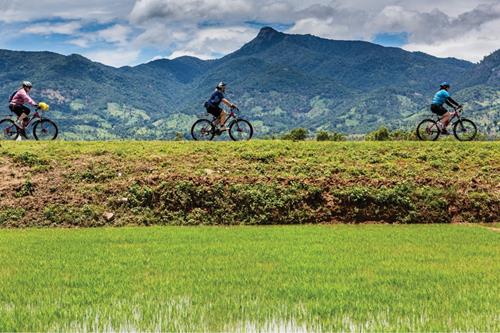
(280, 81)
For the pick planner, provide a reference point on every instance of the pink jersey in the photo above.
(21, 98)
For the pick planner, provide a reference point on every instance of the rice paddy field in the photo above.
(261, 236)
(278, 278)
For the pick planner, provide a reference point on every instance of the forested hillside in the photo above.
(280, 81)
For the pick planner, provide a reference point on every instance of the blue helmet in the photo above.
(445, 85)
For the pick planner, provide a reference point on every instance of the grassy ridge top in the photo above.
(260, 182)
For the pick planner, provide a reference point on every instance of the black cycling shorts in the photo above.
(214, 111)
(19, 109)
(438, 109)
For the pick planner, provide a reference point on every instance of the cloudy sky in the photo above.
(129, 32)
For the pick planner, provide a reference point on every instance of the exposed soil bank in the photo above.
(263, 182)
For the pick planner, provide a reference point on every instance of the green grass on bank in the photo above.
(259, 182)
(341, 278)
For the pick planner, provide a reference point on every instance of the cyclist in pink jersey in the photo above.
(18, 100)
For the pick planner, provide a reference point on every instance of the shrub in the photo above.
(190, 203)
(381, 134)
(65, 215)
(402, 135)
(11, 214)
(94, 173)
(386, 204)
(26, 189)
(297, 134)
(29, 159)
(322, 136)
(264, 157)
(333, 136)
(140, 196)
(179, 136)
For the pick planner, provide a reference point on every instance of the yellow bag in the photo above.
(43, 106)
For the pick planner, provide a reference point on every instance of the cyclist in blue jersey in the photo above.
(440, 98)
(213, 104)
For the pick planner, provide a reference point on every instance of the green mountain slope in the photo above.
(280, 81)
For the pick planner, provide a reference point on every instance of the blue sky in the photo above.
(396, 39)
(129, 32)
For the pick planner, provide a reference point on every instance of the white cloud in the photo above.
(118, 34)
(433, 26)
(428, 23)
(472, 45)
(329, 28)
(46, 29)
(207, 28)
(81, 42)
(188, 39)
(470, 35)
(190, 10)
(212, 42)
(115, 58)
(28, 10)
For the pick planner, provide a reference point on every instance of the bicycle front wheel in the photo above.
(428, 130)
(241, 130)
(45, 130)
(203, 130)
(465, 130)
(8, 130)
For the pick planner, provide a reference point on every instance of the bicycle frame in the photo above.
(36, 115)
(231, 115)
(31, 118)
(454, 114)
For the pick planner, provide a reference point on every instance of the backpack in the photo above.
(12, 96)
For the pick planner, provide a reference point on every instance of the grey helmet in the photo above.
(27, 84)
(221, 85)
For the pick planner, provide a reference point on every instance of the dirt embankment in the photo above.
(108, 187)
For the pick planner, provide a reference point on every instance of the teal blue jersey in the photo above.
(441, 97)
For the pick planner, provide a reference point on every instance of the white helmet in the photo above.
(27, 84)
(221, 85)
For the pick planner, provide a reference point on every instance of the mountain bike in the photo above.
(463, 129)
(43, 128)
(239, 129)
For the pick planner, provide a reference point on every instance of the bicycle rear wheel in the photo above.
(45, 130)
(203, 130)
(241, 130)
(428, 130)
(465, 130)
(8, 130)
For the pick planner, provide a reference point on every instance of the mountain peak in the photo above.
(269, 33)
(266, 38)
(268, 30)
